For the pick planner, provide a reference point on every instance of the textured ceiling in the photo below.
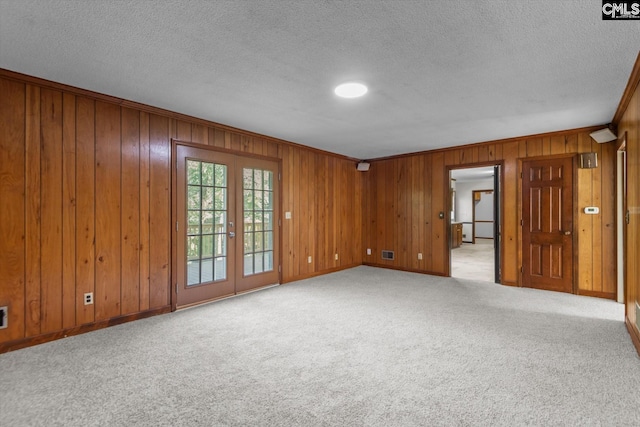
(472, 174)
(440, 72)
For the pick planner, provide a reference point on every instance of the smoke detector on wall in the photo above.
(363, 166)
(603, 135)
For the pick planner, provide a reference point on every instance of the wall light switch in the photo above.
(309, 260)
(287, 215)
(368, 251)
(419, 255)
(336, 257)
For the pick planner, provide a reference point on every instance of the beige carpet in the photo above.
(474, 261)
(361, 347)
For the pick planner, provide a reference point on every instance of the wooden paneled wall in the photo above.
(405, 195)
(325, 202)
(86, 206)
(629, 125)
(85, 190)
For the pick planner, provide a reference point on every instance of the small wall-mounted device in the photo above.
(388, 255)
(592, 210)
(363, 166)
(603, 135)
(588, 160)
(88, 298)
(4, 317)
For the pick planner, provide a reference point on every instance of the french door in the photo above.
(227, 228)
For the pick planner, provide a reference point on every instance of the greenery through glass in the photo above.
(257, 191)
(206, 222)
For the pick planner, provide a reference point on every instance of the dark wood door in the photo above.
(547, 224)
(497, 221)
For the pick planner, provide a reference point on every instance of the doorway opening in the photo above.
(475, 223)
(622, 218)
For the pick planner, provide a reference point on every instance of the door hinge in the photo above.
(279, 177)
(279, 269)
(521, 269)
(279, 222)
(521, 222)
(627, 217)
(176, 225)
(176, 288)
(521, 176)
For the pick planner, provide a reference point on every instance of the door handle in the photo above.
(232, 234)
(567, 233)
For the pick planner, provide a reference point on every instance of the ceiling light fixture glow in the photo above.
(350, 90)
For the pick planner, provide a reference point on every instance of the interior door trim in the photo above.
(622, 214)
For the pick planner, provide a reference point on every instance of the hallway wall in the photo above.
(405, 196)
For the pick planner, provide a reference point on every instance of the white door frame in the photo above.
(620, 219)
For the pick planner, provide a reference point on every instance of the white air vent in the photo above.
(387, 255)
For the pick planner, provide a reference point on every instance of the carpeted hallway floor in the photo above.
(475, 261)
(361, 347)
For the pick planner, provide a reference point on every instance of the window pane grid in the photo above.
(206, 222)
(258, 220)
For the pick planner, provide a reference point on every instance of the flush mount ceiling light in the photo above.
(350, 90)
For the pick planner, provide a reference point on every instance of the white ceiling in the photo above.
(440, 72)
(472, 174)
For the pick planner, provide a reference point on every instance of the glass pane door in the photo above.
(218, 194)
(205, 208)
(206, 222)
(258, 208)
(257, 185)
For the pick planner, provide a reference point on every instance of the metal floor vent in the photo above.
(388, 255)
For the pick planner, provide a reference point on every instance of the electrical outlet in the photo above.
(419, 255)
(4, 317)
(88, 298)
(287, 215)
(368, 251)
(336, 257)
(309, 259)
